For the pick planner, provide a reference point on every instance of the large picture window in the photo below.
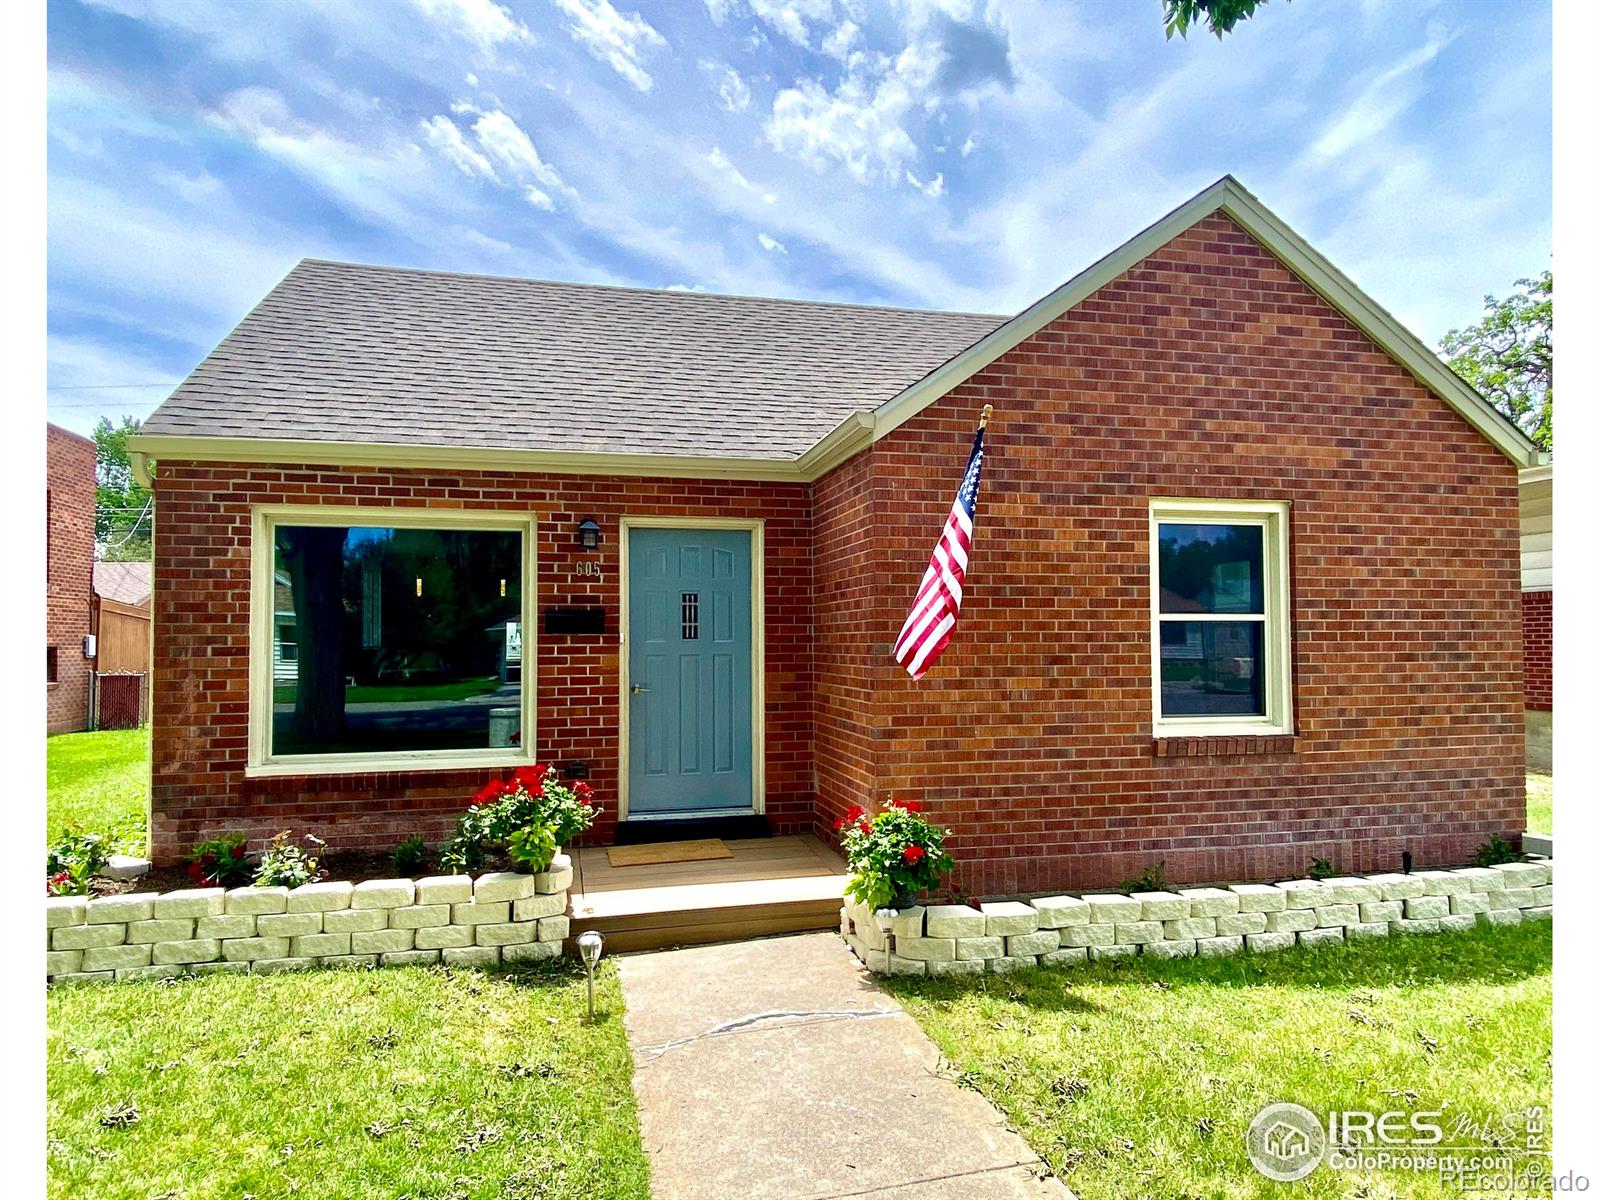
(1220, 617)
(390, 637)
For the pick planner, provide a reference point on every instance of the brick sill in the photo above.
(1198, 747)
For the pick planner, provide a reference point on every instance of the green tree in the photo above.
(1220, 16)
(1507, 356)
(122, 509)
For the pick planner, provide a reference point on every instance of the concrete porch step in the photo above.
(770, 885)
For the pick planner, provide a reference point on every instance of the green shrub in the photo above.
(285, 864)
(528, 816)
(72, 861)
(411, 855)
(893, 855)
(1495, 850)
(220, 862)
(1152, 879)
(1320, 868)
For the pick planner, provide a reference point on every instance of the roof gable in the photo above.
(1226, 196)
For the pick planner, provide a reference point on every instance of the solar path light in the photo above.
(590, 946)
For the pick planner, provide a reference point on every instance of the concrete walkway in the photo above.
(775, 1070)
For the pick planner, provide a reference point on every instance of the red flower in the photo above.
(529, 778)
(911, 806)
(539, 770)
(854, 814)
(866, 828)
(583, 791)
(238, 851)
(914, 854)
(490, 792)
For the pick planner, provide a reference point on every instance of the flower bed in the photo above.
(457, 920)
(959, 939)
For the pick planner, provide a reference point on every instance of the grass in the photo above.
(360, 693)
(1138, 1078)
(99, 783)
(412, 1081)
(1541, 817)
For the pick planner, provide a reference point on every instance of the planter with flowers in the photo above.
(892, 854)
(528, 817)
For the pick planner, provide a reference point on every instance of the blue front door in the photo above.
(689, 670)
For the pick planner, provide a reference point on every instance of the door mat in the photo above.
(667, 852)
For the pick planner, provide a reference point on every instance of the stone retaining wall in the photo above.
(957, 939)
(453, 919)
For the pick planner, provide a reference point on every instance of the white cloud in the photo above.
(968, 146)
(932, 188)
(862, 124)
(793, 18)
(1383, 99)
(732, 90)
(444, 136)
(484, 23)
(837, 44)
(620, 40)
(721, 162)
(771, 244)
(505, 142)
(719, 10)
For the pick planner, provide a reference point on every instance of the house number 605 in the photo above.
(588, 567)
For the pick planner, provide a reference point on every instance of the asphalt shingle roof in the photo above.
(350, 353)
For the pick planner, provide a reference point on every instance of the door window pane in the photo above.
(1211, 668)
(395, 639)
(1211, 568)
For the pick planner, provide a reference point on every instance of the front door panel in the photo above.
(689, 668)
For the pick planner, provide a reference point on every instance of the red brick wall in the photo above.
(69, 480)
(1537, 645)
(1207, 371)
(201, 605)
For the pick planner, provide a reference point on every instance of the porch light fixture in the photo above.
(590, 946)
(419, 585)
(588, 533)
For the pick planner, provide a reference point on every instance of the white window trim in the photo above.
(263, 520)
(1278, 683)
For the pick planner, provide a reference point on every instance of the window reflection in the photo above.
(395, 639)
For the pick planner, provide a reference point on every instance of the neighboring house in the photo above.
(69, 562)
(1538, 593)
(1243, 590)
(121, 625)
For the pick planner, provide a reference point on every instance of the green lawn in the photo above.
(409, 1081)
(99, 783)
(1540, 803)
(1138, 1078)
(356, 693)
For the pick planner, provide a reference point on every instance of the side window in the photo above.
(1220, 611)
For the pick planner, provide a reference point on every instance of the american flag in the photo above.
(932, 619)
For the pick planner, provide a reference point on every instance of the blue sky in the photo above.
(926, 152)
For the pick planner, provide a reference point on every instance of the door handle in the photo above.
(638, 689)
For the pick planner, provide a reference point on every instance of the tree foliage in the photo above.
(122, 509)
(1219, 16)
(1508, 356)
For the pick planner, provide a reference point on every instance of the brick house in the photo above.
(1538, 610)
(1244, 588)
(69, 567)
